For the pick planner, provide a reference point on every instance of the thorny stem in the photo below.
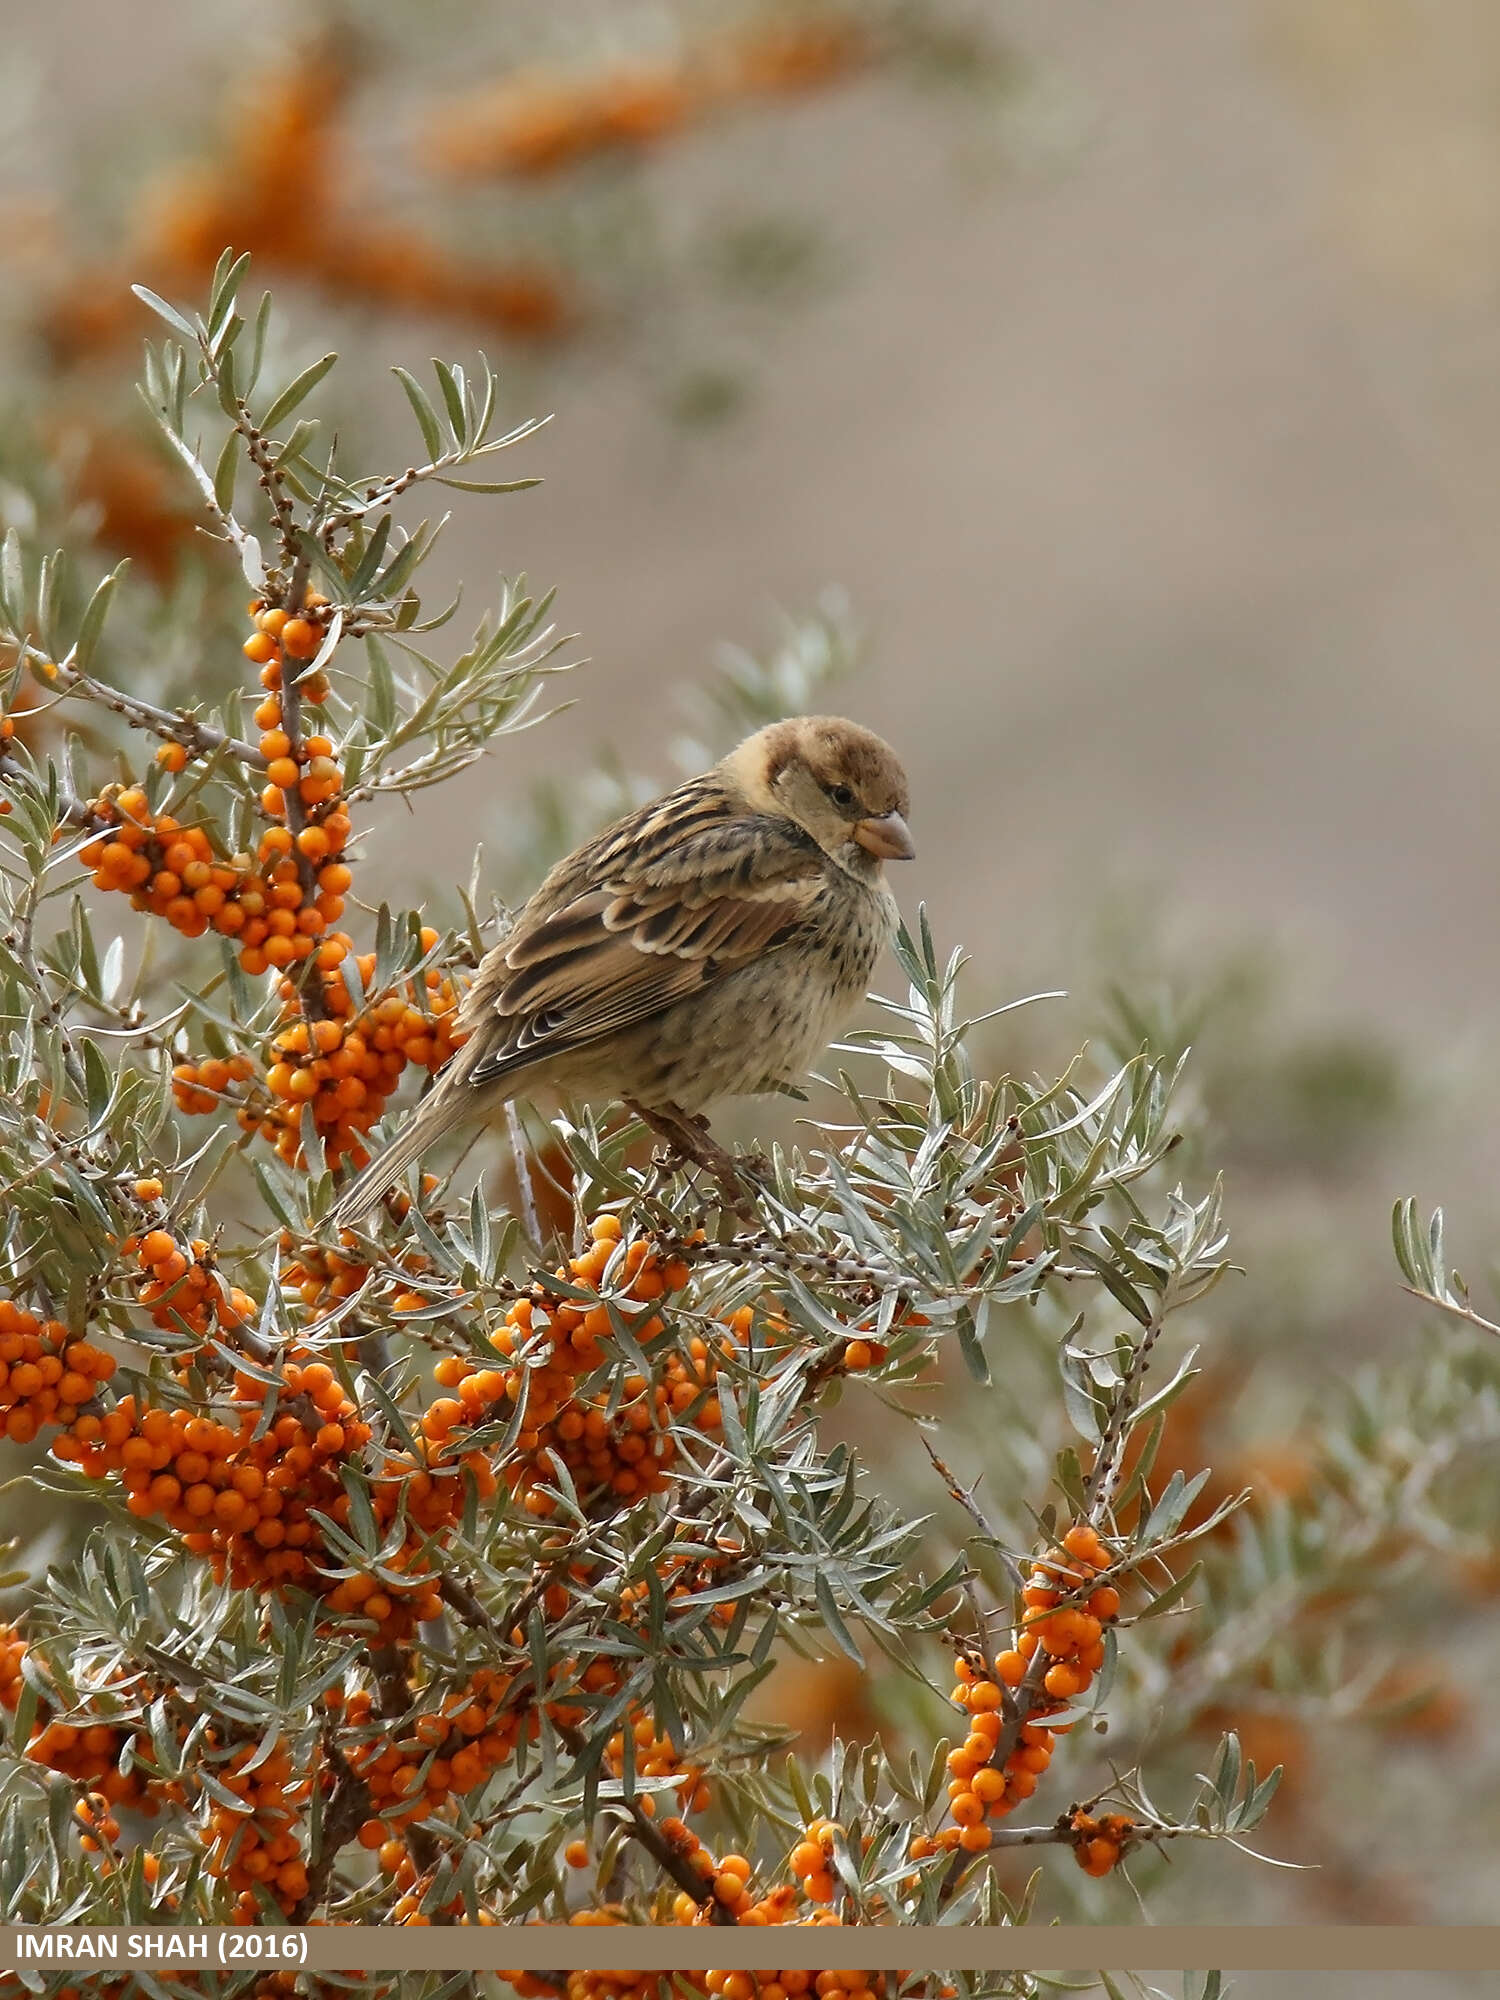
(663, 1851)
(1062, 1830)
(754, 1249)
(73, 810)
(381, 495)
(965, 1498)
(1104, 1474)
(1454, 1309)
(348, 1809)
(199, 739)
(524, 1188)
(271, 484)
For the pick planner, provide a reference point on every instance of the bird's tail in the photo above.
(441, 1109)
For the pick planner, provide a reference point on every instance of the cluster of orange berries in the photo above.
(12, 1653)
(812, 1861)
(540, 123)
(1072, 1639)
(619, 1446)
(306, 768)
(100, 1827)
(427, 1493)
(178, 1282)
(790, 1984)
(318, 1277)
(100, 1830)
(341, 1063)
(412, 1768)
(46, 1377)
(86, 1753)
(254, 1842)
(241, 1493)
(345, 1063)
(1099, 1843)
(245, 1492)
(263, 902)
(657, 1756)
(681, 1576)
(726, 1882)
(280, 636)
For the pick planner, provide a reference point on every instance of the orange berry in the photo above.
(1097, 1856)
(299, 639)
(1082, 1542)
(1066, 1680)
(259, 648)
(172, 757)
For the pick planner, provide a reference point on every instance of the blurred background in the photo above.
(1120, 387)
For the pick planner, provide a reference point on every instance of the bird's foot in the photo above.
(690, 1140)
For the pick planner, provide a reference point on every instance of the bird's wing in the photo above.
(660, 906)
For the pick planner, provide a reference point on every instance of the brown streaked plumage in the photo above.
(705, 946)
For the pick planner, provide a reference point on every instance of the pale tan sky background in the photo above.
(1161, 461)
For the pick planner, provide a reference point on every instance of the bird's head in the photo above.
(840, 783)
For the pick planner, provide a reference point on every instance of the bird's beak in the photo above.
(887, 838)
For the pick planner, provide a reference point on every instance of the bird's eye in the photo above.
(842, 797)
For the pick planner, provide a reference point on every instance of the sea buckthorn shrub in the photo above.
(439, 1567)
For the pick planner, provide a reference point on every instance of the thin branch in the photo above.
(524, 1188)
(1451, 1306)
(348, 1809)
(199, 739)
(1104, 1474)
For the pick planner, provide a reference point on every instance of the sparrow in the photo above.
(707, 945)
